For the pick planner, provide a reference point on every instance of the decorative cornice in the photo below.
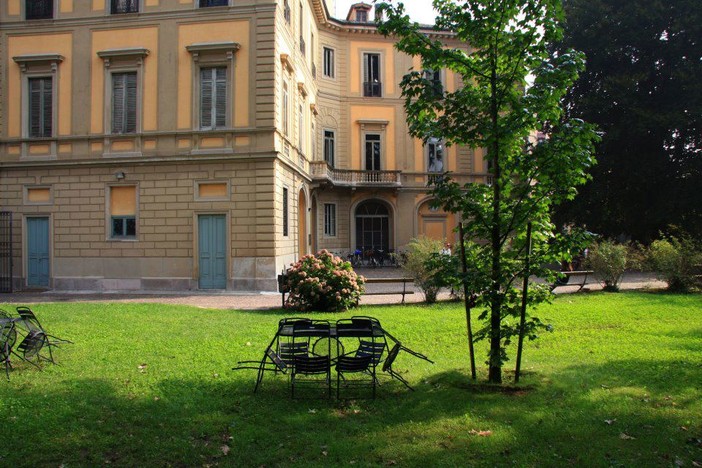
(137, 53)
(228, 47)
(38, 59)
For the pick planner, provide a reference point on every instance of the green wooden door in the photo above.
(212, 245)
(38, 252)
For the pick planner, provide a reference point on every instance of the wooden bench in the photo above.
(573, 278)
(404, 282)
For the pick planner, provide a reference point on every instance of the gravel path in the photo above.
(260, 301)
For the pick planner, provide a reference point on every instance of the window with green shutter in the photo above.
(124, 102)
(40, 107)
(213, 97)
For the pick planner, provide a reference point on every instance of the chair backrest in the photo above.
(29, 319)
(372, 349)
(277, 360)
(392, 355)
(288, 350)
(353, 363)
(4, 314)
(312, 364)
(8, 337)
(32, 344)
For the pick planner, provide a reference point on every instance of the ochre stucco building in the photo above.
(206, 144)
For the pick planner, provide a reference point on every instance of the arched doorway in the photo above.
(372, 226)
(301, 224)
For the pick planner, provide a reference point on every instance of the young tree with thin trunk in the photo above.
(513, 86)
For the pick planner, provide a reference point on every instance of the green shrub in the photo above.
(675, 261)
(417, 262)
(609, 260)
(323, 283)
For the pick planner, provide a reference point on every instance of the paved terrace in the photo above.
(259, 301)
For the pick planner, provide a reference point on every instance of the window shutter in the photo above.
(221, 97)
(118, 92)
(47, 107)
(206, 87)
(130, 108)
(34, 107)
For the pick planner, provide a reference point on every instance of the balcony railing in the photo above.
(351, 178)
(372, 89)
(322, 172)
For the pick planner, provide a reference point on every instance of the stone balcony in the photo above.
(321, 172)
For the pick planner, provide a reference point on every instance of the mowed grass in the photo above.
(618, 383)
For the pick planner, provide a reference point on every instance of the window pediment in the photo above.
(227, 48)
(27, 60)
(136, 54)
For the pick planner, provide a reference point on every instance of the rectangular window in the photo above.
(361, 16)
(212, 3)
(330, 219)
(312, 57)
(286, 108)
(372, 86)
(40, 107)
(124, 102)
(285, 212)
(435, 153)
(123, 212)
(125, 6)
(302, 26)
(372, 152)
(434, 77)
(213, 97)
(301, 123)
(286, 11)
(328, 62)
(39, 9)
(329, 149)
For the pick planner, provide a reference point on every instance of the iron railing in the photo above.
(6, 251)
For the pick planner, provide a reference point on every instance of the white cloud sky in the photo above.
(419, 10)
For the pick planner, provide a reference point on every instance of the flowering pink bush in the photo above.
(323, 283)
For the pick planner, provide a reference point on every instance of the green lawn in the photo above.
(619, 382)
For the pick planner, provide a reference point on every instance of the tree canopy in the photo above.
(641, 88)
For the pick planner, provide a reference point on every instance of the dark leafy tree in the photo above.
(505, 43)
(642, 88)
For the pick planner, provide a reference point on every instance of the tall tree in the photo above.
(642, 88)
(505, 42)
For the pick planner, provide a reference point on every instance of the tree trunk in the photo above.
(495, 370)
(467, 300)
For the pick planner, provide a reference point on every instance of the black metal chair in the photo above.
(310, 370)
(32, 323)
(8, 337)
(364, 359)
(30, 347)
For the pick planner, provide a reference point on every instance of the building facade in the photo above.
(206, 144)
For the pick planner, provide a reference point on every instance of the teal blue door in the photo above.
(38, 252)
(212, 246)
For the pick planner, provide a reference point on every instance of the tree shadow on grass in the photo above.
(557, 419)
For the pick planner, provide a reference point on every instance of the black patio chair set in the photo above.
(34, 341)
(309, 350)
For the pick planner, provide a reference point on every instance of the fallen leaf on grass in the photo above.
(325, 453)
(225, 450)
(609, 422)
(697, 464)
(480, 433)
(625, 436)
(312, 411)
